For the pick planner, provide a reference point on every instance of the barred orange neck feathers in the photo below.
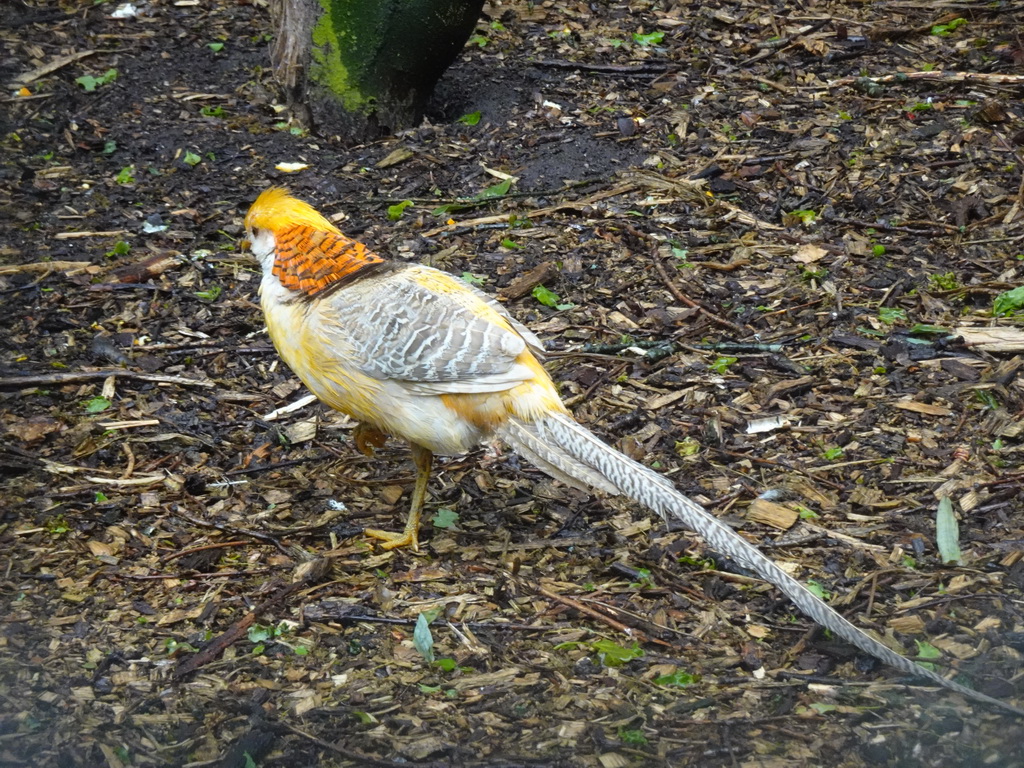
(311, 255)
(311, 261)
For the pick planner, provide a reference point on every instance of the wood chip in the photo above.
(770, 513)
(45, 69)
(928, 409)
(995, 339)
(910, 625)
(396, 156)
(525, 283)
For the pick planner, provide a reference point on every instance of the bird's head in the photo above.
(274, 213)
(300, 249)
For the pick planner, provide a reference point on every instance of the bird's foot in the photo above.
(367, 438)
(394, 540)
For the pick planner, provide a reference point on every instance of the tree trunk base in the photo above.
(362, 69)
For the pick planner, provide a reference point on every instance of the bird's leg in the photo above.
(422, 458)
(367, 437)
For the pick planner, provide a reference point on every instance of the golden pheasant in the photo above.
(413, 352)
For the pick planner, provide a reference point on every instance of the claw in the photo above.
(395, 540)
(410, 536)
(367, 438)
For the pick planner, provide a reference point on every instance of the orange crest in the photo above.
(312, 255)
(310, 260)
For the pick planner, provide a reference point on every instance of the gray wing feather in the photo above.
(399, 329)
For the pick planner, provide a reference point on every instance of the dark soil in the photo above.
(736, 228)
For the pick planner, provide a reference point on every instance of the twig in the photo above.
(534, 214)
(193, 550)
(43, 379)
(45, 267)
(76, 235)
(947, 228)
(765, 81)
(359, 758)
(984, 78)
(595, 614)
(237, 631)
(51, 66)
(237, 531)
(682, 297)
(190, 576)
(345, 615)
(612, 69)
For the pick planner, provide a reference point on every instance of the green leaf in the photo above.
(644, 580)
(100, 497)
(444, 518)
(512, 244)
(212, 112)
(832, 454)
(891, 315)
(688, 446)
(943, 30)
(249, 762)
(817, 590)
(651, 38)
(925, 329)
(545, 297)
(821, 708)
(1009, 301)
(943, 281)
(125, 176)
(395, 211)
(947, 532)
(721, 365)
(498, 190)
(191, 159)
(446, 665)
(215, 47)
(633, 737)
(471, 119)
(927, 651)
(424, 688)
(676, 679)
(210, 294)
(120, 248)
(614, 655)
(422, 640)
(259, 634)
(90, 83)
(806, 215)
(477, 280)
(97, 405)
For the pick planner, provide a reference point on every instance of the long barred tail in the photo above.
(567, 450)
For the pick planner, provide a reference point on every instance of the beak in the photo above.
(245, 244)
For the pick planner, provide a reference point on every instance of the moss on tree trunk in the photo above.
(364, 68)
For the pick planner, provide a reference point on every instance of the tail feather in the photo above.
(560, 443)
(548, 457)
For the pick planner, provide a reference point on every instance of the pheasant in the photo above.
(413, 352)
